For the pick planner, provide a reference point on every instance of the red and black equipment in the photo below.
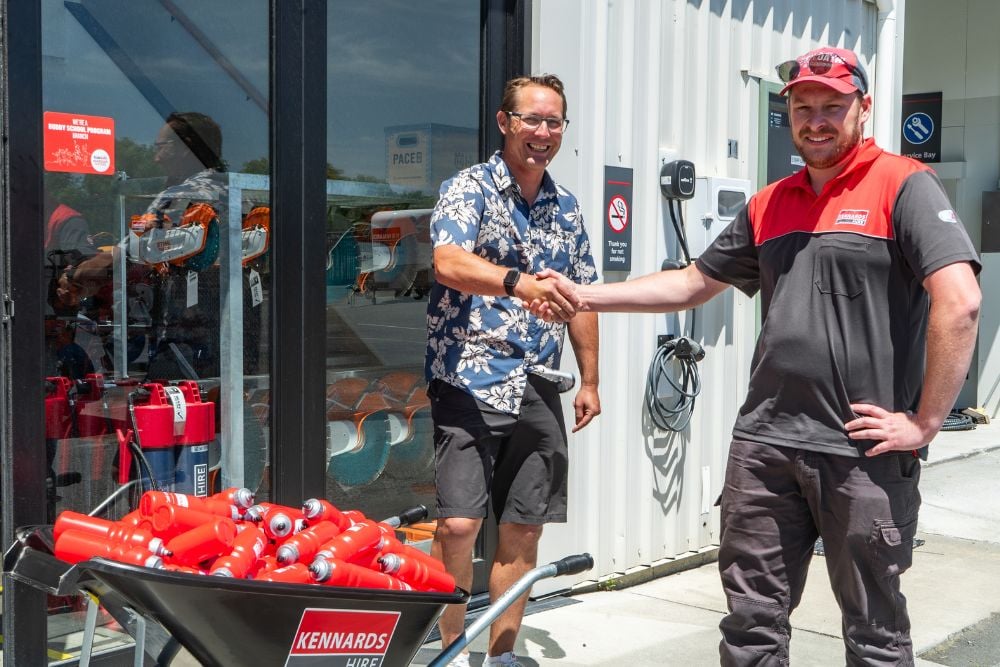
(191, 472)
(173, 428)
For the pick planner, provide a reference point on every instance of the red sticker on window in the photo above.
(79, 144)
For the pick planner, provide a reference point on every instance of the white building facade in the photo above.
(649, 82)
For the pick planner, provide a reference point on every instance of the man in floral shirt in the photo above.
(499, 428)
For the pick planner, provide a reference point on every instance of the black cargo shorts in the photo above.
(520, 460)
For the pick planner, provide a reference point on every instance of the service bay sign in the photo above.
(617, 219)
(921, 128)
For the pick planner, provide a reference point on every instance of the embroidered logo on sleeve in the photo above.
(852, 216)
(948, 215)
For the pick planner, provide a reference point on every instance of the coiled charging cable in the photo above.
(673, 411)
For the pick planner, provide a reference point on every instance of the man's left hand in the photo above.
(586, 405)
(893, 431)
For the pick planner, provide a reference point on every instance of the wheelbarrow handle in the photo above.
(568, 565)
(407, 517)
(573, 564)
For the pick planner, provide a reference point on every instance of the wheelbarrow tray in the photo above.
(223, 621)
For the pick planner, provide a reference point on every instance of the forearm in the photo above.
(951, 339)
(466, 272)
(93, 273)
(583, 336)
(664, 291)
(471, 274)
(84, 279)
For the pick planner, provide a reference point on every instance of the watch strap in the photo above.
(510, 280)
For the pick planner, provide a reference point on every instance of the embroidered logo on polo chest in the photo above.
(852, 216)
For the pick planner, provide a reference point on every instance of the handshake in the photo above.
(551, 296)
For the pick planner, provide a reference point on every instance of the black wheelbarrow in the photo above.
(224, 622)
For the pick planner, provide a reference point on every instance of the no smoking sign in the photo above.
(618, 213)
(618, 230)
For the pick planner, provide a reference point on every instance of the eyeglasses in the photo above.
(158, 145)
(820, 65)
(531, 121)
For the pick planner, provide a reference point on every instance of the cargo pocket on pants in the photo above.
(892, 546)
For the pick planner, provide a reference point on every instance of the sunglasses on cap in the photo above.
(820, 64)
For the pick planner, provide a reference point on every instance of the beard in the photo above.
(829, 154)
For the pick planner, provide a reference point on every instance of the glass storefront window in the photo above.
(156, 267)
(156, 260)
(403, 104)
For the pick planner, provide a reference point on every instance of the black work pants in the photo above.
(775, 503)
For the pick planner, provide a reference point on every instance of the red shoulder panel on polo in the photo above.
(859, 200)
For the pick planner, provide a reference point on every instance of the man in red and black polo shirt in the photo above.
(869, 306)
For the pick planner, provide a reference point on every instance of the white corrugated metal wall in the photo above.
(647, 79)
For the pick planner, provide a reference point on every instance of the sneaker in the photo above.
(507, 659)
(461, 660)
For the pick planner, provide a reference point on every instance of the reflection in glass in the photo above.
(403, 116)
(156, 260)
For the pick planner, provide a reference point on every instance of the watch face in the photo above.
(510, 280)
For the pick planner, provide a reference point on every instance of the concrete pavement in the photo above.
(953, 589)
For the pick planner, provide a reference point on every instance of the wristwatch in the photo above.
(510, 280)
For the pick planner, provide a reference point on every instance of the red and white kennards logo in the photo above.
(852, 216)
(342, 638)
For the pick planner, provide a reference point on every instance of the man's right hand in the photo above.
(548, 295)
(67, 291)
(85, 279)
(561, 301)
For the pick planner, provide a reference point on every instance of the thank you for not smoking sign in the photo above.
(617, 219)
(921, 127)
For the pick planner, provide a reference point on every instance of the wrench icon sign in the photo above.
(918, 126)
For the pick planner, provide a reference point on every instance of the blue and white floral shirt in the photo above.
(486, 345)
